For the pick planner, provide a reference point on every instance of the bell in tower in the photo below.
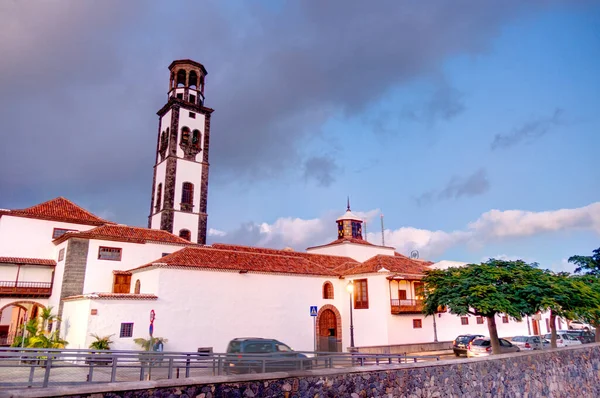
(180, 185)
(349, 225)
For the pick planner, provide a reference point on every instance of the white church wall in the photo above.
(370, 324)
(188, 171)
(98, 274)
(356, 251)
(29, 237)
(74, 326)
(149, 280)
(186, 221)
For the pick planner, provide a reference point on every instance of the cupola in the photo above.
(349, 225)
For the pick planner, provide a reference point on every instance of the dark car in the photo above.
(582, 335)
(257, 355)
(461, 343)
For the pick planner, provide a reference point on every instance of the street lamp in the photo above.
(350, 288)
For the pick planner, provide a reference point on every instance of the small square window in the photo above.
(505, 319)
(58, 232)
(61, 254)
(464, 320)
(109, 253)
(180, 96)
(480, 320)
(417, 323)
(192, 115)
(193, 100)
(126, 330)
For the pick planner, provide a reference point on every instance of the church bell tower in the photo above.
(180, 183)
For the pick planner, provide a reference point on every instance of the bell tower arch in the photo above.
(180, 183)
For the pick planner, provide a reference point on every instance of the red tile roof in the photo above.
(211, 258)
(124, 233)
(113, 296)
(31, 261)
(59, 209)
(396, 264)
(349, 240)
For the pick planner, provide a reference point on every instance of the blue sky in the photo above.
(430, 114)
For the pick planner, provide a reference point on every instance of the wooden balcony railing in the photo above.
(408, 306)
(25, 289)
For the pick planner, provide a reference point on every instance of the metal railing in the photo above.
(406, 306)
(26, 288)
(31, 367)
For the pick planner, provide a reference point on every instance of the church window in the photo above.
(192, 114)
(356, 230)
(158, 197)
(327, 290)
(137, 287)
(185, 234)
(187, 196)
(193, 101)
(109, 253)
(126, 330)
(181, 75)
(196, 137)
(193, 79)
(361, 294)
(180, 96)
(58, 232)
(121, 283)
(185, 135)
(61, 254)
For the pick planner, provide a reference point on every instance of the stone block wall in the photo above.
(563, 372)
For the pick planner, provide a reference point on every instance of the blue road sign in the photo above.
(313, 310)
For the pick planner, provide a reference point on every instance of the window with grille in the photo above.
(417, 323)
(109, 253)
(464, 320)
(187, 196)
(480, 320)
(126, 330)
(58, 232)
(327, 290)
(361, 294)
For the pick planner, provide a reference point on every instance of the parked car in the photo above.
(576, 325)
(563, 338)
(482, 346)
(461, 343)
(255, 355)
(585, 336)
(529, 342)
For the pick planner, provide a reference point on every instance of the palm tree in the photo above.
(147, 344)
(47, 318)
(101, 343)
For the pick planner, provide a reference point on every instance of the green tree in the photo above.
(147, 344)
(101, 342)
(589, 267)
(486, 289)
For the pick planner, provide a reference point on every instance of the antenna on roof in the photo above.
(382, 232)
(348, 207)
(365, 222)
(414, 254)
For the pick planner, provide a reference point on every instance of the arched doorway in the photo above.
(13, 316)
(329, 330)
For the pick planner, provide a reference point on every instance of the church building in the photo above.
(105, 278)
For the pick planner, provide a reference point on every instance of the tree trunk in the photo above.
(491, 321)
(597, 326)
(552, 329)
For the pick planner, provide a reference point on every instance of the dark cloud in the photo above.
(322, 169)
(529, 131)
(80, 83)
(472, 185)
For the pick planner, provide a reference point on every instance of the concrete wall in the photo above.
(563, 372)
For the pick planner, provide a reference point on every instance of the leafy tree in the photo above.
(101, 342)
(38, 335)
(589, 265)
(147, 344)
(486, 289)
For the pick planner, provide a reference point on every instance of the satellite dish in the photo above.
(414, 254)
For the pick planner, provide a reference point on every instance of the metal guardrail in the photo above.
(32, 367)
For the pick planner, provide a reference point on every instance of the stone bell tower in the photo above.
(180, 184)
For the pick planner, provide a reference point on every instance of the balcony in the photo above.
(25, 289)
(408, 306)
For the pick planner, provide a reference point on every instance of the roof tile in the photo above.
(24, 260)
(124, 233)
(58, 209)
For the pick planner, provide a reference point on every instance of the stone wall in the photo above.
(406, 348)
(563, 372)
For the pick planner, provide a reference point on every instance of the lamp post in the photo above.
(350, 288)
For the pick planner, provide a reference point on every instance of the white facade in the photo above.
(359, 252)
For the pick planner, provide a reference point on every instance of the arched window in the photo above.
(185, 135)
(185, 234)
(327, 290)
(158, 204)
(181, 75)
(187, 196)
(196, 138)
(137, 287)
(193, 82)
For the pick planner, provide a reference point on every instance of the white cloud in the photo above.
(216, 232)
(493, 225)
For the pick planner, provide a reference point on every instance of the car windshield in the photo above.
(463, 339)
(481, 342)
(519, 338)
(234, 346)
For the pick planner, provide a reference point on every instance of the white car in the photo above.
(579, 325)
(482, 347)
(563, 339)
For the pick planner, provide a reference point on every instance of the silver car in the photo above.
(482, 346)
(563, 339)
(527, 343)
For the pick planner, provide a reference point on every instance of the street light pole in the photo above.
(350, 288)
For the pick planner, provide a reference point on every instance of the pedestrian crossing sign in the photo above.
(313, 310)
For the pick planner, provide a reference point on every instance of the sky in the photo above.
(472, 126)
